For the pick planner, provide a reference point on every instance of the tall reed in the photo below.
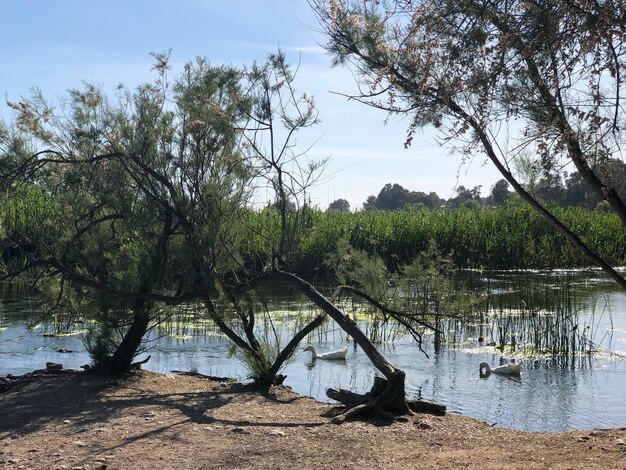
(512, 237)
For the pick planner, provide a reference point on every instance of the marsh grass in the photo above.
(536, 318)
(511, 237)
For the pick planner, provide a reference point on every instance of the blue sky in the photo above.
(56, 44)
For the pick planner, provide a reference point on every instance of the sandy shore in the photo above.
(166, 421)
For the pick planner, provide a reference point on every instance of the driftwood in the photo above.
(421, 406)
(352, 399)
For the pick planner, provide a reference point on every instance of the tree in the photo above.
(138, 181)
(577, 193)
(499, 193)
(153, 193)
(392, 197)
(339, 205)
(464, 196)
(395, 197)
(550, 188)
(283, 169)
(497, 78)
(430, 200)
(370, 203)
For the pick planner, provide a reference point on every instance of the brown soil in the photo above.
(166, 421)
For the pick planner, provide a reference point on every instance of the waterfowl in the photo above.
(513, 368)
(333, 355)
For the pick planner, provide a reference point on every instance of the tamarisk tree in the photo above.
(151, 195)
(136, 179)
(500, 78)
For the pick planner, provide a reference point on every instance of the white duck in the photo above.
(333, 355)
(513, 368)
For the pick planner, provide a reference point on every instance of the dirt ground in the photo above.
(167, 421)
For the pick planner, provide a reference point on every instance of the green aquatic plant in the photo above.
(538, 315)
(257, 365)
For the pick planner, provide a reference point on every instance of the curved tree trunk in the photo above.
(557, 111)
(545, 213)
(393, 397)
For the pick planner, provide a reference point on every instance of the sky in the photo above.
(55, 45)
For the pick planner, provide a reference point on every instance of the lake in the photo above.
(554, 393)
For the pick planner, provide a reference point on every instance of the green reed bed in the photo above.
(27, 209)
(509, 237)
(512, 237)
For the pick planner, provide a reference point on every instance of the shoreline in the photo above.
(152, 420)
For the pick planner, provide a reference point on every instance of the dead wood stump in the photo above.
(375, 402)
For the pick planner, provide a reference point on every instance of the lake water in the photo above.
(553, 394)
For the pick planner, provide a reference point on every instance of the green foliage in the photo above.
(339, 205)
(471, 68)
(395, 197)
(151, 189)
(508, 237)
(426, 286)
(259, 362)
(429, 264)
(359, 269)
(101, 341)
(28, 212)
(500, 193)
(136, 195)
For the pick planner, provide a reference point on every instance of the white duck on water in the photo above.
(513, 368)
(333, 355)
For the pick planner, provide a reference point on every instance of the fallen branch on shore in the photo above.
(360, 404)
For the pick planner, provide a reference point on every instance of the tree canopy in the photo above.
(392, 197)
(339, 205)
(497, 78)
(150, 192)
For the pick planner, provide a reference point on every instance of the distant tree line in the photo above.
(571, 190)
(565, 190)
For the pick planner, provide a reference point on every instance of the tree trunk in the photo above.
(352, 399)
(122, 358)
(229, 332)
(393, 398)
(558, 113)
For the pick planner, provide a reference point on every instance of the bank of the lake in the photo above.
(166, 421)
